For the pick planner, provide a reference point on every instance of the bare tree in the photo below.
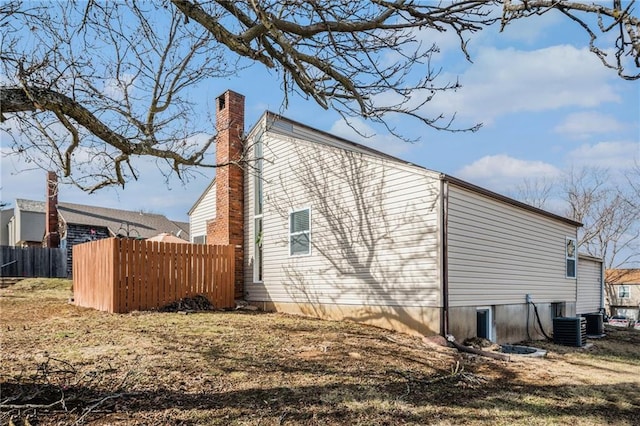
(535, 192)
(610, 215)
(608, 208)
(90, 86)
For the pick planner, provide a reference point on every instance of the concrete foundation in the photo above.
(509, 323)
(421, 321)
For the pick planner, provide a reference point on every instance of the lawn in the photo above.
(62, 364)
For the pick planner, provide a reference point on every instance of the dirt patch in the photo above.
(62, 364)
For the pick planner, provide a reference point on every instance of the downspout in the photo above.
(444, 270)
(602, 284)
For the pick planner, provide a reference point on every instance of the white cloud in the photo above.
(504, 81)
(382, 142)
(532, 29)
(114, 87)
(581, 125)
(502, 173)
(614, 155)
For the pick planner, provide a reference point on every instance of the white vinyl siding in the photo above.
(589, 293)
(498, 253)
(205, 210)
(374, 225)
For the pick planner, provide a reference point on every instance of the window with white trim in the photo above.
(570, 254)
(300, 232)
(257, 265)
(624, 292)
(200, 239)
(484, 322)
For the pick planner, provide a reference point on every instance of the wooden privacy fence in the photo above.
(37, 262)
(124, 275)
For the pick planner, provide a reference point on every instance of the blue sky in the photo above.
(546, 104)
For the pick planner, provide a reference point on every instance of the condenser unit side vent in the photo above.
(570, 331)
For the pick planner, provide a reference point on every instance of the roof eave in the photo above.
(505, 199)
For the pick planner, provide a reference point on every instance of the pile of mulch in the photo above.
(189, 304)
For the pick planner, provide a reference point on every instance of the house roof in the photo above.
(184, 226)
(134, 223)
(623, 276)
(30, 205)
(586, 256)
(276, 121)
(139, 224)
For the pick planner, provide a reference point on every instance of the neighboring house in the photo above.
(76, 223)
(25, 226)
(330, 228)
(623, 292)
(5, 217)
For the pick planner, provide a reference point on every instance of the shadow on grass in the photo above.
(391, 402)
(618, 344)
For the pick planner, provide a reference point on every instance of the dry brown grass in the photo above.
(258, 368)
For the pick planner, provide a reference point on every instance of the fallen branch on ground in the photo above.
(463, 348)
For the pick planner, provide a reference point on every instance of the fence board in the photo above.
(122, 275)
(34, 262)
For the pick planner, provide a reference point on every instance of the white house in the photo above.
(334, 229)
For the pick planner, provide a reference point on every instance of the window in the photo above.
(257, 180)
(257, 212)
(300, 232)
(570, 251)
(623, 292)
(257, 265)
(200, 239)
(557, 309)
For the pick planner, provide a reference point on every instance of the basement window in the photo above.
(558, 309)
(570, 254)
(484, 323)
(300, 232)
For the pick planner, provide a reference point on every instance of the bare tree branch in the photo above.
(91, 86)
(593, 17)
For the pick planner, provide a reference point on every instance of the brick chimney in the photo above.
(228, 226)
(51, 222)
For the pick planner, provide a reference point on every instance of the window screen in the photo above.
(299, 232)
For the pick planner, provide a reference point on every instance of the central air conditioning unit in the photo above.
(570, 331)
(595, 324)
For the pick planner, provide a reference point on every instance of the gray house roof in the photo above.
(30, 205)
(123, 222)
(135, 223)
